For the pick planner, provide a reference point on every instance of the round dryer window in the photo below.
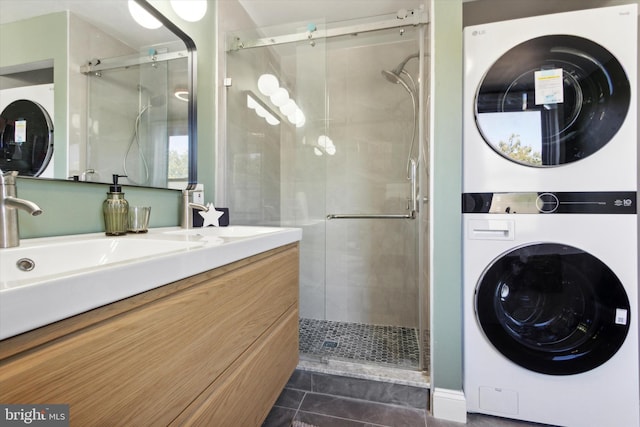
(26, 138)
(553, 309)
(552, 100)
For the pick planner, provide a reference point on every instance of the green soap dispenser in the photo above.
(115, 209)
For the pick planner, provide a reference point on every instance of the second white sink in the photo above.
(239, 231)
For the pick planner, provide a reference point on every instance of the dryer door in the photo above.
(26, 138)
(552, 100)
(552, 308)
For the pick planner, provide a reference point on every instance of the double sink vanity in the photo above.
(171, 327)
(176, 326)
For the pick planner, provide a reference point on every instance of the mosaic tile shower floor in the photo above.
(380, 345)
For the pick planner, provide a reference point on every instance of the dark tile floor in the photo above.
(322, 400)
(332, 401)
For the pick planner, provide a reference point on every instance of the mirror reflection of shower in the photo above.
(145, 103)
(135, 125)
(400, 76)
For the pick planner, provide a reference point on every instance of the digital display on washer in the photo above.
(552, 100)
(552, 308)
(547, 202)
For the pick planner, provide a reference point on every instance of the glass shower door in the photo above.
(274, 171)
(360, 299)
(371, 264)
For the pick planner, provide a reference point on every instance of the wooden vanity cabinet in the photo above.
(213, 349)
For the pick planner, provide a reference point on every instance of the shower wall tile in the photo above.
(312, 271)
(312, 301)
(373, 281)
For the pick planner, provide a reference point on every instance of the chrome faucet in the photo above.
(9, 205)
(187, 207)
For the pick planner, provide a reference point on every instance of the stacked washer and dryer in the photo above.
(550, 243)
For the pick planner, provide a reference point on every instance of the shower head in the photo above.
(394, 75)
(391, 76)
(395, 78)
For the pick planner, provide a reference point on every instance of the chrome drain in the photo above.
(25, 264)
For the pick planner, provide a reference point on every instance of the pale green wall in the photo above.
(46, 38)
(76, 207)
(446, 175)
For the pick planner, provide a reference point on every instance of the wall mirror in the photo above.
(104, 95)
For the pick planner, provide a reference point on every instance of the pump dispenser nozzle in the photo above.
(115, 187)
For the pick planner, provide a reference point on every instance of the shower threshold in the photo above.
(381, 353)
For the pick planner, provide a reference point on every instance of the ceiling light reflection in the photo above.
(261, 111)
(268, 84)
(143, 17)
(190, 10)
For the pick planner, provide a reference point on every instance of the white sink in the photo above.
(234, 231)
(73, 274)
(31, 263)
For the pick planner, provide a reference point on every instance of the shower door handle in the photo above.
(410, 215)
(413, 177)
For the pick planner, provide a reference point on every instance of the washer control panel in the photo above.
(547, 202)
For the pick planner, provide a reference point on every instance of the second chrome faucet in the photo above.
(187, 209)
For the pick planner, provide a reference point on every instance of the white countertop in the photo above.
(29, 304)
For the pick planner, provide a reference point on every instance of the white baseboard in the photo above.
(449, 405)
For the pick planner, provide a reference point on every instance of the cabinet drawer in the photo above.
(245, 394)
(144, 366)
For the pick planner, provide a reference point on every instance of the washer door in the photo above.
(552, 308)
(552, 100)
(26, 138)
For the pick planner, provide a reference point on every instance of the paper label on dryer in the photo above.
(621, 316)
(548, 86)
(20, 135)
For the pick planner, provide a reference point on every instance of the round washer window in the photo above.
(553, 309)
(552, 100)
(26, 138)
